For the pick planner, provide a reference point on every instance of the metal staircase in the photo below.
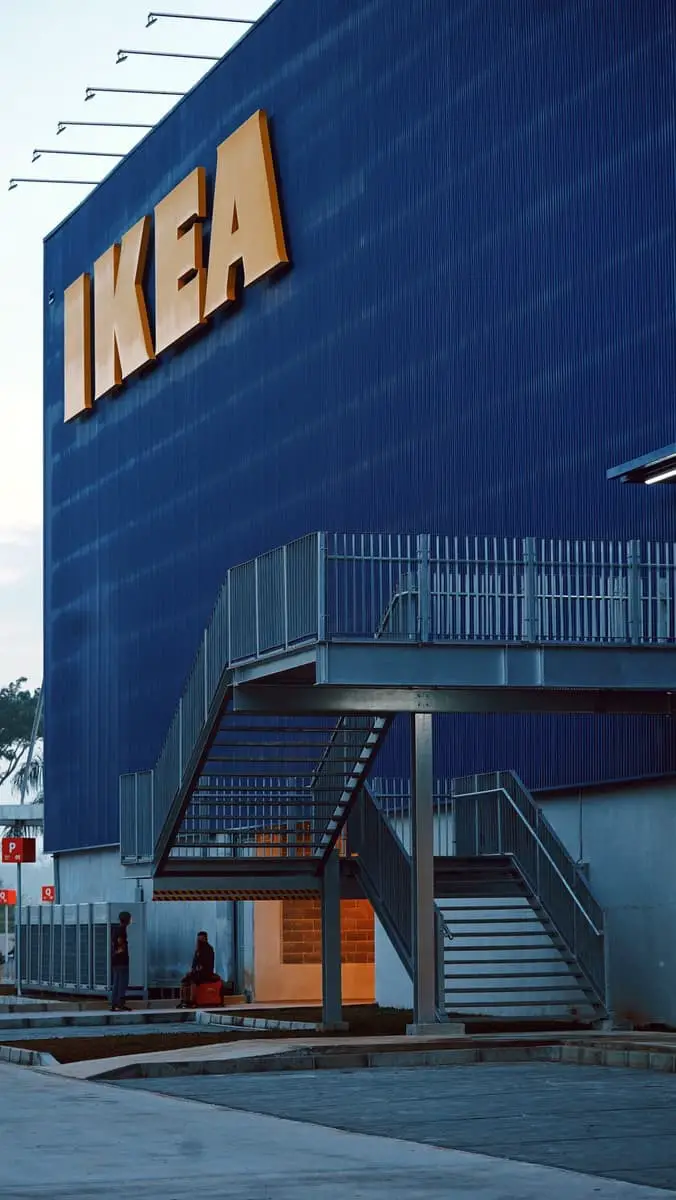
(519, 932)
(309, 638)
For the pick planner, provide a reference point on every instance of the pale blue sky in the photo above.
(50, 51)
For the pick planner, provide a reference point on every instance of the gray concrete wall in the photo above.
(627, 835)
(96, 876)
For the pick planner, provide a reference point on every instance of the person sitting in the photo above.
(202, 971)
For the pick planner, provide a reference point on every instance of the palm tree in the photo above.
(28, 779)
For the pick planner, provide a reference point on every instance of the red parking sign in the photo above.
(18, 850)
(48, 894)
(7, 896)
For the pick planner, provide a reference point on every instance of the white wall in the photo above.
(394, 989)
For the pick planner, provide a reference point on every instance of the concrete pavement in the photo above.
(612, 1123)
(68, 1138)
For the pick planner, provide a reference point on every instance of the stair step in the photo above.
(523, 933)
(525, 920)
(487, 947)
(480, 975)
(512, 989)
(501, 872)
(444, 902)
(540, 961)
(445, 889)
(471, 1004)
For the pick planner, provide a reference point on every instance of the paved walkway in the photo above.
(607, 1122)
(87, 1141)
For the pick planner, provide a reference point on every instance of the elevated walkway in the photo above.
(313, 647)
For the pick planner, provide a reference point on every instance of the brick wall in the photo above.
(357, 932)
(302, 931)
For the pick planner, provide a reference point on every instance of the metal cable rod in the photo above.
(123, 55)
(63, 125)
(37, 153)
(154, 17)
(91, 92)
(16, 180)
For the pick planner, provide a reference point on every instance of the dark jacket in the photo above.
(203, 961)
(119, 946)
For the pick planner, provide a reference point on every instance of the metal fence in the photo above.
(408, 588)
(66, 947)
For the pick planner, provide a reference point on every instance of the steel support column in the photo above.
(422, 829)
(332, 1000)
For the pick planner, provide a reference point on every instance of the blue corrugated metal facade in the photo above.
(478, 198)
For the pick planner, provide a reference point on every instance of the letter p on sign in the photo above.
(18, 850)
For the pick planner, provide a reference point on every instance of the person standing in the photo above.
(119, 950)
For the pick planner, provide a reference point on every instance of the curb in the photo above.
(349, 1060)
(325, 1059)
(26, 1058)
(83, 1020)
(615, 1056)
(109, 1020)
(230, 1020)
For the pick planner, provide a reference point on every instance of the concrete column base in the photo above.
(614, 1025)
(436, 1030)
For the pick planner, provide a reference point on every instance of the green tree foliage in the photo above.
(17, 713)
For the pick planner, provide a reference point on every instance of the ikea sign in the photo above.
(246, 229)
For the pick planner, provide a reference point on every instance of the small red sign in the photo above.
(18, 850)
(48, 894)
(7, 896)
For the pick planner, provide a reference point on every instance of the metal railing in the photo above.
(494, 814)
(413, 588)
(425, 588)
(386, 870)
(266, 606)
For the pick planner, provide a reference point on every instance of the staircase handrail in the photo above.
(543, 848)
(446, 929)
(534, 817)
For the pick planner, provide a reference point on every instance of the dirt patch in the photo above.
(83, 1049)
(365, 1020)
(370, 1020)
